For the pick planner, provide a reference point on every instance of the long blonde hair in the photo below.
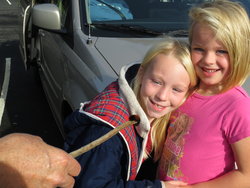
(180, 50)
(230, 24)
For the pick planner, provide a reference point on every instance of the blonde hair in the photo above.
(180, 50)
(230, 23)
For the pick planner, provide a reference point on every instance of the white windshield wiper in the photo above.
(114, 9)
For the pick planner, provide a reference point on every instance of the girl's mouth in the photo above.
(210, 70)
(157, 107)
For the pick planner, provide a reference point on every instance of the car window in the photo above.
(146, 17)
(169, 10)
(142, 16)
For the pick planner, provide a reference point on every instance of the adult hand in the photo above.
(27, 162)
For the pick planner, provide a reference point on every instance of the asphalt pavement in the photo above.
(25, 108)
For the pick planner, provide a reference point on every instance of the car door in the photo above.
(53, 65)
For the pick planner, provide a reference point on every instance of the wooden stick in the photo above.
(134, 120)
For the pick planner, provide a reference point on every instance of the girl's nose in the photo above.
(163, 94)
(209, 58)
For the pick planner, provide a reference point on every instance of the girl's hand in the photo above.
(173, 184)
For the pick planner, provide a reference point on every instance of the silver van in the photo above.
(79, 46)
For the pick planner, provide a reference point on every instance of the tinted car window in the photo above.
(146, 17)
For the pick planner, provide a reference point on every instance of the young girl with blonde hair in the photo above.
(163, 81)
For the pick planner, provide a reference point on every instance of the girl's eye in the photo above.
(222, 51)
(197, 49)
(157, 82)
(177, 90)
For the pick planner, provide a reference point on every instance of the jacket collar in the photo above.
(133, 104)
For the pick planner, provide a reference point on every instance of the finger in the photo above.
(69, 182)
(61, 160)
(74, 167)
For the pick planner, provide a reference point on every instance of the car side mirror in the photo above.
(46, 16)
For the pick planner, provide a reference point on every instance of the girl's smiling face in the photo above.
(210, 58)
(164, 86)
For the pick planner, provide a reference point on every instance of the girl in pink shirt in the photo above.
(210, 132)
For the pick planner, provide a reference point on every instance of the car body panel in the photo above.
(137, 48)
